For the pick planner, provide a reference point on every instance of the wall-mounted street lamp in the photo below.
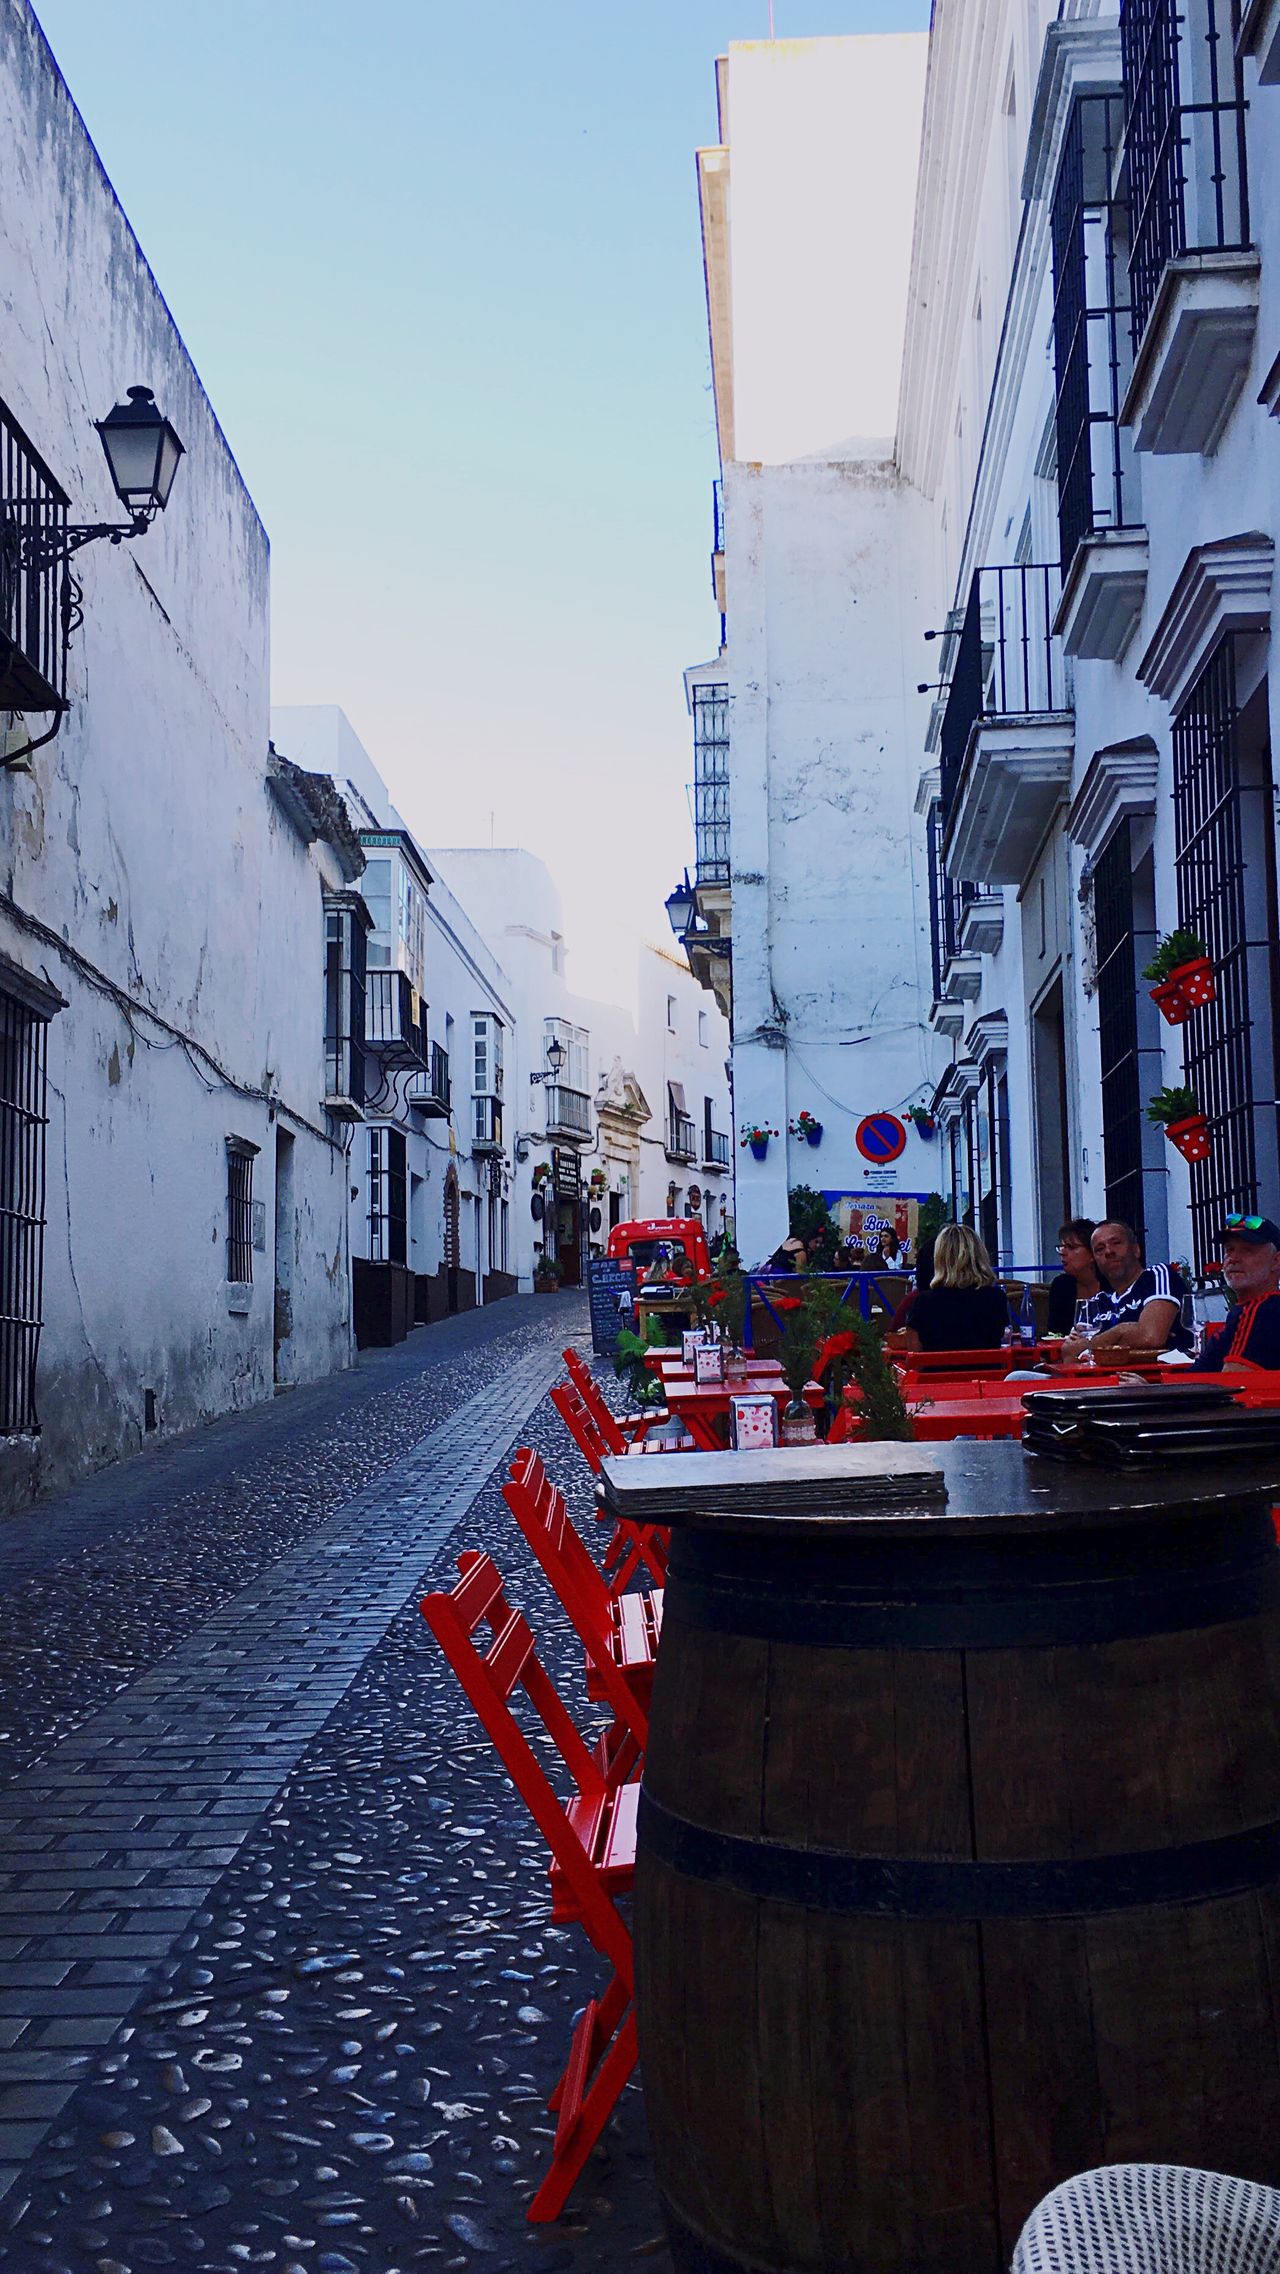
(555, 1062)
(41, 604)
(680, 906)
(142, 450)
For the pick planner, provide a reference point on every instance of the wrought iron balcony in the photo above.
(1188, 182)
(715, 1149)
(711, 783)
(1007, 731)
(682, 1137)
(395, 1018)
(432, 1095)
(36, 602)
(568, 1111)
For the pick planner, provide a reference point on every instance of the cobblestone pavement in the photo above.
(277, 1986)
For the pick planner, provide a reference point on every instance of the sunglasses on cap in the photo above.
(1244, 1223)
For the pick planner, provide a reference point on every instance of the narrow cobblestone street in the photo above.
(277, 1986)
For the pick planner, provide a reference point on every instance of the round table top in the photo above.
(964, 1487)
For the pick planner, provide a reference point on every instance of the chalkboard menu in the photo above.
(611, 1287)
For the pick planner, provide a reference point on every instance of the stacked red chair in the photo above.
(619, 1633)
(591, 1842)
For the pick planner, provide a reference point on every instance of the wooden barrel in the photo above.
(959, 1863)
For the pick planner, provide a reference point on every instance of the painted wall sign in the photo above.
(880, 1137)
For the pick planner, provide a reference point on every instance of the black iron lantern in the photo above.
(555, 1057)
(142, 451)
(680, 907)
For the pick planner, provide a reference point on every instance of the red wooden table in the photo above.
(703, 1407)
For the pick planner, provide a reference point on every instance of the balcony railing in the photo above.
(947, 903)
(1007, 663)
(395, 1017)
(431, 1095)
(1184, 137)
(682, 1137)
(715, 1149)
(568, 1111)
(711, 783)
(33, 621)
(1097, 478)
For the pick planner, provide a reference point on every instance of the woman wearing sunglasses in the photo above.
(1251, 1269)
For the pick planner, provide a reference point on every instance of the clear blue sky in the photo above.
(439, 268)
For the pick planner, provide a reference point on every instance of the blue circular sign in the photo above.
(880, 1138)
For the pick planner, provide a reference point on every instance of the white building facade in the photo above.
(1089, 400)
(173, 1178)
(807, 724)
(1064, 524)
(434, 1224)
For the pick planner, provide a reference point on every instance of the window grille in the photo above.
(1123, 1104)
(23, 1123)
(1184, 136)
(388, 1196)
(711, 783)
(240, 1159)
(1227, 1043)
(1097, 482)
(36, 604)
(1005, 661)
(947, 903)
(345, 985)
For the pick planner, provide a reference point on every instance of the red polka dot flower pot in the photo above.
(1185, 990)
(1192, 1136)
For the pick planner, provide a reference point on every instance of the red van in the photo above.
(645, 1238)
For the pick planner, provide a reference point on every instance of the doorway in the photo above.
(452, 1235)
(1049, 1069)
(282, 1327)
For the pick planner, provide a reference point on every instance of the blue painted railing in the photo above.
(856, 1288)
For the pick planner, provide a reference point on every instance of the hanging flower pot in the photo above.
(807, 1126)
(1182, 975)
(756, 1135)
(1187, 987)
(922, 1121)
(1193, 1137)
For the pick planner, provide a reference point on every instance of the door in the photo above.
(284, 1247)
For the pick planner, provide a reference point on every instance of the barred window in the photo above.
(388, 1197)
(345, 928)
(23, 1123)
(240, 1159)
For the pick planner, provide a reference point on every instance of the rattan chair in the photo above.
(1152, 2218)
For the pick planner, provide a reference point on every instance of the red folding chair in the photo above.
(630, 1426)
(633, 1548)
(594, 1441)
(592, 1843)
(618, 1633)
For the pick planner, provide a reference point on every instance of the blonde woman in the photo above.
(962, 1308)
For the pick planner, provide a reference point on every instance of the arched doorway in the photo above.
(452, 1234)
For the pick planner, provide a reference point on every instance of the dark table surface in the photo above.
(963, 1488)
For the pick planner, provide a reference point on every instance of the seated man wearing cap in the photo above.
(1139, 1309)
(1251, 1268)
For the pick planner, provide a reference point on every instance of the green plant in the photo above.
(921, 1116)
(810, 1220)
(643, 1388)
(1172, 1104)
(1177, 948)
(727, 1299)
(931, 1218)
(545, 1270)
(806, 1328)
(883, 1409)
(756, 1133)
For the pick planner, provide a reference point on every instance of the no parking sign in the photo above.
(880, 1137)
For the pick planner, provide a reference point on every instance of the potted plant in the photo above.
(546, 1279)
(923, 1120)
(806, 1125)
(756, 1134)
(1176, 1110)
(1183, 975)
(598, 1179)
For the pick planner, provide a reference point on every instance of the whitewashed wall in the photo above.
(146, 837)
